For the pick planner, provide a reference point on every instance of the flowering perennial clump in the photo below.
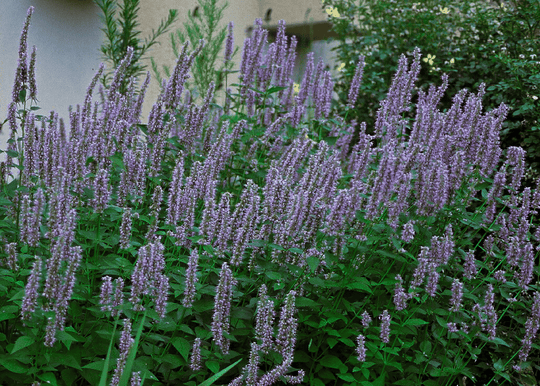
(207, 218)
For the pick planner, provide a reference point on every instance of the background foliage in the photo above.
(494, 42)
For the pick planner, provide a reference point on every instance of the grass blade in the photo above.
(215, 377)
(124, 381)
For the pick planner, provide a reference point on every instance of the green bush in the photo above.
(474, 42)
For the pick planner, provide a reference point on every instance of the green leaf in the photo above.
(392, 256)
(22, 95)
(273, 275)
(13, 366)
(182, 345)
(306, 302)
(48, 378)
(215, 377)
(361, 284)
(313, 263)
(332, 362)
(6, 316)
(65, 338)
(347, 377)
(213, 366)
(98, 365)
(275, 246)
(425, 346)
(415, 322)
(22, 342)
(379, 381)
(499, 366)
(274, 89)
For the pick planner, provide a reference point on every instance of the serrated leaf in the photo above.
(183, 346)
(313, 263)
(415, 322)
(98, 365)
(275, 246)
(332, 362)
(361, 284)
(347, 377)
(273, 275)
(22, 342)
(49, 379)
(213, 366)
(306, 302)
(13, 365)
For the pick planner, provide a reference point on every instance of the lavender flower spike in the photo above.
(229, 43)
(385, 326)
(196, 355)
(32, 75)
(126, 342)
(366, 319)
(222, 308)
(21, 75)
(355, 84)
(31, 290)
(106, 293)
(191, 279)
(361, 349)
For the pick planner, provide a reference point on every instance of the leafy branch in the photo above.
(121, 32)
(204, 69)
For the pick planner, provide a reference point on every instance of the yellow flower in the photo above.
(444, 10)
(429, 59)
(503, 7)
(452, 61)
(296, 87)
(332, 11)
(341, 66)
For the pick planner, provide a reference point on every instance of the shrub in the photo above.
(252, 245)
(474, 42)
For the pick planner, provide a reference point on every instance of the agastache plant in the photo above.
(278, 236)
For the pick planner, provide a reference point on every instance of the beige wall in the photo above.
(67, 34)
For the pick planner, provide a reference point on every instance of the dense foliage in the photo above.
(474, 42)
(256, 243)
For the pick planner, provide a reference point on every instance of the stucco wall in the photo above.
(67, 34)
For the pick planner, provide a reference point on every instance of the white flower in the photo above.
(534, 97)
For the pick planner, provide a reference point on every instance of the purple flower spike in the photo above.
(229, 43)
(361, 349)
(286, 338)
(31, 294)
(106, 293)
(385, 326)
(355, 84)
(162, 290)
(366, 319)
(21, 75)
(126, 342)
(196, 355)
(32, 75)
(191, 279)
(264, 325)
(222, 308)
(457, 295)
(400, 297)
